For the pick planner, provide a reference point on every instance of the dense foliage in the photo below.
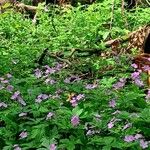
(79, 105)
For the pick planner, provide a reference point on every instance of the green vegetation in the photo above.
(71, 103)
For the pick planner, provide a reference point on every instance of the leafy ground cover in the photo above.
(80, 105)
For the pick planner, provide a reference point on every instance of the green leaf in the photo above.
(105, 35)
(77, 111)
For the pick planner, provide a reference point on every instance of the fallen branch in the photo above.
(59, 58)
(25, 7)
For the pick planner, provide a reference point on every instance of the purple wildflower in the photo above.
(50, 81)
(112, 103)
(75, 120)
(10, 88)
(111, 123)
(16, 147)
(146, 67)
(44, 96)
(38, 73)
(143, 144)
(119, 84)
(123, 80)
(91, 86)
(136, 79)
(5, 81)
(79, 97)
(138, 136)
(135, 75)
(73, 78)
(21, 101)
(90, 132)
(41, 97)
(3, 105)
(15, 95)
(38, 100)
(58, 67)
(49, 70)
(74, 100)
(49, 115)
(138, 82)
(23, 134)
(74, 103)
(8, 75)
(59, 91)
(53, 147)
(128, 125)
(134, 66)
(129, 138)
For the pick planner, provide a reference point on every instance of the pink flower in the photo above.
(53, 147)
(49, 115)
(5, 81)
(139, 82)
(143, 144)
(38, 73)
(3, 105)
(120, 84)
(146, 67)
(79, 97)
(21, 101)
(10, 88)
(16, 147)
(135, 75)
(134, 66)
(129, 138)
(49, 70)
(71, 79)
(23, 134)
(127, 126)
(15, 95)
(41, 97)
(74, 103)
(9, 75)
(110, 125)
(112, 103)
(91, 86)
(50, 81)
(75, 120)
(138, 136)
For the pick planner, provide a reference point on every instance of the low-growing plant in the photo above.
(91, 103)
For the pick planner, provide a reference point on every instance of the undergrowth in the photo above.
(78, 105)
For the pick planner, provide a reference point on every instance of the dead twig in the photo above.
(59, 58)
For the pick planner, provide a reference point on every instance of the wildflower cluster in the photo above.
(137, 137)
(75, 99)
